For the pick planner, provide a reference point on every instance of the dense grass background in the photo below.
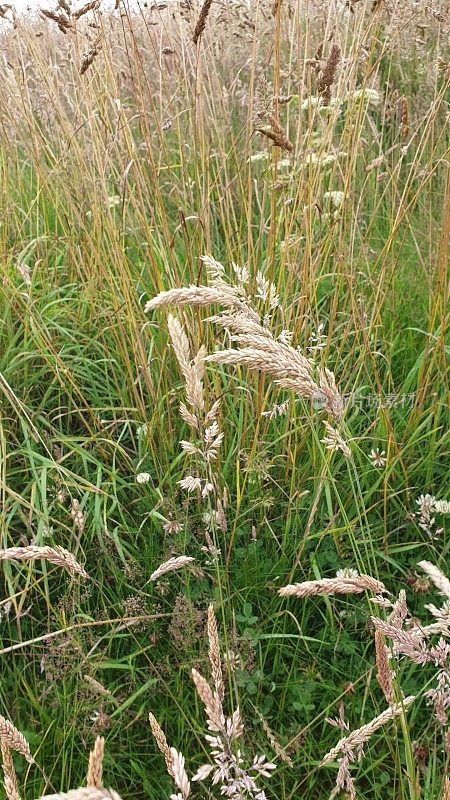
(106, 204)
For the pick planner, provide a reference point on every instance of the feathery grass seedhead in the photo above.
(384, 672)
(201, 22)
(84, 793)
(328, 74)
(172, 565)
(331, 586)
(359, 737)
(277, 134)
(12, 738)
(95, 768)
(214, 654)
(198, 296)
(80, 12)
(9, 774)
(161, 741)
(59, 17)
(55, 555)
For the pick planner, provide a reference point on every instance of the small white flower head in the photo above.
(77, 515)
(427, 506)
(335, 198)
(142, 430)
(114, 200)
(143, 477)
(442, 506)
(348, 573)
(285, 336)
(367, 95)
(172, 527)
(378, 458)
(263, 155)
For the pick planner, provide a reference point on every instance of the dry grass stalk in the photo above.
(439, 579)
(171, 565)
(84, 793)
(446, 789)
(331, 586)
(12, 738)
(384, 672)
(277, 134)
(161, 741)
(95, 768)
(328, 74)
(56, 555)
(404, 117)
(9, 773)
(201, 22)
(276, 7)
(356, 739)
(214, 654)
(274, 743)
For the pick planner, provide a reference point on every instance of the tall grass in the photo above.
(294, 160)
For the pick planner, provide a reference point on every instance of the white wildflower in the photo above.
(143, 477)
(263, 155)
(378, 458)
(347, 573)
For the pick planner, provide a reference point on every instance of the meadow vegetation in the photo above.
(224, 438)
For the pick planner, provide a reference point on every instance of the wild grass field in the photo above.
(224, 420)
